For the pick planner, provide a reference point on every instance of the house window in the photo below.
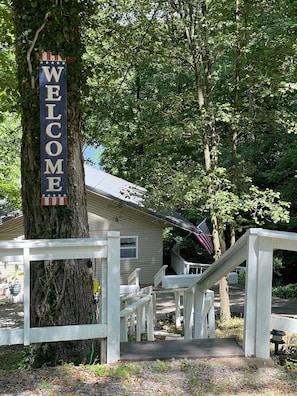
(129, 247)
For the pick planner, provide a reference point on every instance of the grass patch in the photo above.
(12, 357)
(121, 370)
(232, 328)
(100, 370)
(127, 370)
(162, 366)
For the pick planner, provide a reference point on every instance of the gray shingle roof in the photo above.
(113, 187)
(119, 189)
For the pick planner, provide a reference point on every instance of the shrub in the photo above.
(288, 291)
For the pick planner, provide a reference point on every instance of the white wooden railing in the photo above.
(133, 284)
(202, 326)
(255, 248)
(182, 266)
(137, 315)
(59, 249)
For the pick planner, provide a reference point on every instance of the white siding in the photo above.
(106, 215)
(12, 229)
(10, 273)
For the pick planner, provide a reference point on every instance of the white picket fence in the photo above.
(108, 250)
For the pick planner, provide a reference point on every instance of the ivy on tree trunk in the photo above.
(61, 291)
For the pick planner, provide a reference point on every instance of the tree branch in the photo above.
(32, 47)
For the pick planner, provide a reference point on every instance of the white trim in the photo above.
(256, 248)
(108, 249)
(130, 247)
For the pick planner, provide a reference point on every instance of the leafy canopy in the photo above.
(144, 106)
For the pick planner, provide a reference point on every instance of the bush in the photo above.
(288, 291)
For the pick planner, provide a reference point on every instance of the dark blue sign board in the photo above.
(53, 132)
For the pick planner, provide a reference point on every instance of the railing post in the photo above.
(177, 297)
(139, 316)
(211, 314)
(258, 296)
(124, 325)
(249, 336)
(264, 297)
(103, 309)
(26, 269)
(113, 297)
(150, 320)
(200, 330)
(188, 313)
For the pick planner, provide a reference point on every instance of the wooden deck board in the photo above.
(151, 350)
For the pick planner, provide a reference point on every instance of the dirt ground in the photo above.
(185, 377)
(11, 315)
(182, 377)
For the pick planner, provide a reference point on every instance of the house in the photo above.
(117, 205)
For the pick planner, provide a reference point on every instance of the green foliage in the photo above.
(8, 85)
(124, 371)
(9, 120)
(241, 278)
(162, 366)
(278, 266)
(10, 185)
(290, 365)
(264, 206)
(287, 291)
(147, 116)
(142, 104)
(14, 357)
(101, 370)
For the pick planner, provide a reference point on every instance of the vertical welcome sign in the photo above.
(53, 130)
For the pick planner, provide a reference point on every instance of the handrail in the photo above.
(134, 306)
(229, 260)
(256, 248)
(159, 275)
(281, 239)
(137, 310)
(133, 278)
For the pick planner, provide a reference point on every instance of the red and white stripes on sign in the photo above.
(48, 56)
(53, 201)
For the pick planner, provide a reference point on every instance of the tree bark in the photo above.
(61, 292)
(192, 16)
(218, 240)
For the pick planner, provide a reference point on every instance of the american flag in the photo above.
(204, 237)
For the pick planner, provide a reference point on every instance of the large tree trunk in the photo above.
(61, 292)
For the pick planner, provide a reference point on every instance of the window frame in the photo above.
(122, 248)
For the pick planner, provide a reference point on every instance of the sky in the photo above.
(92, 156)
